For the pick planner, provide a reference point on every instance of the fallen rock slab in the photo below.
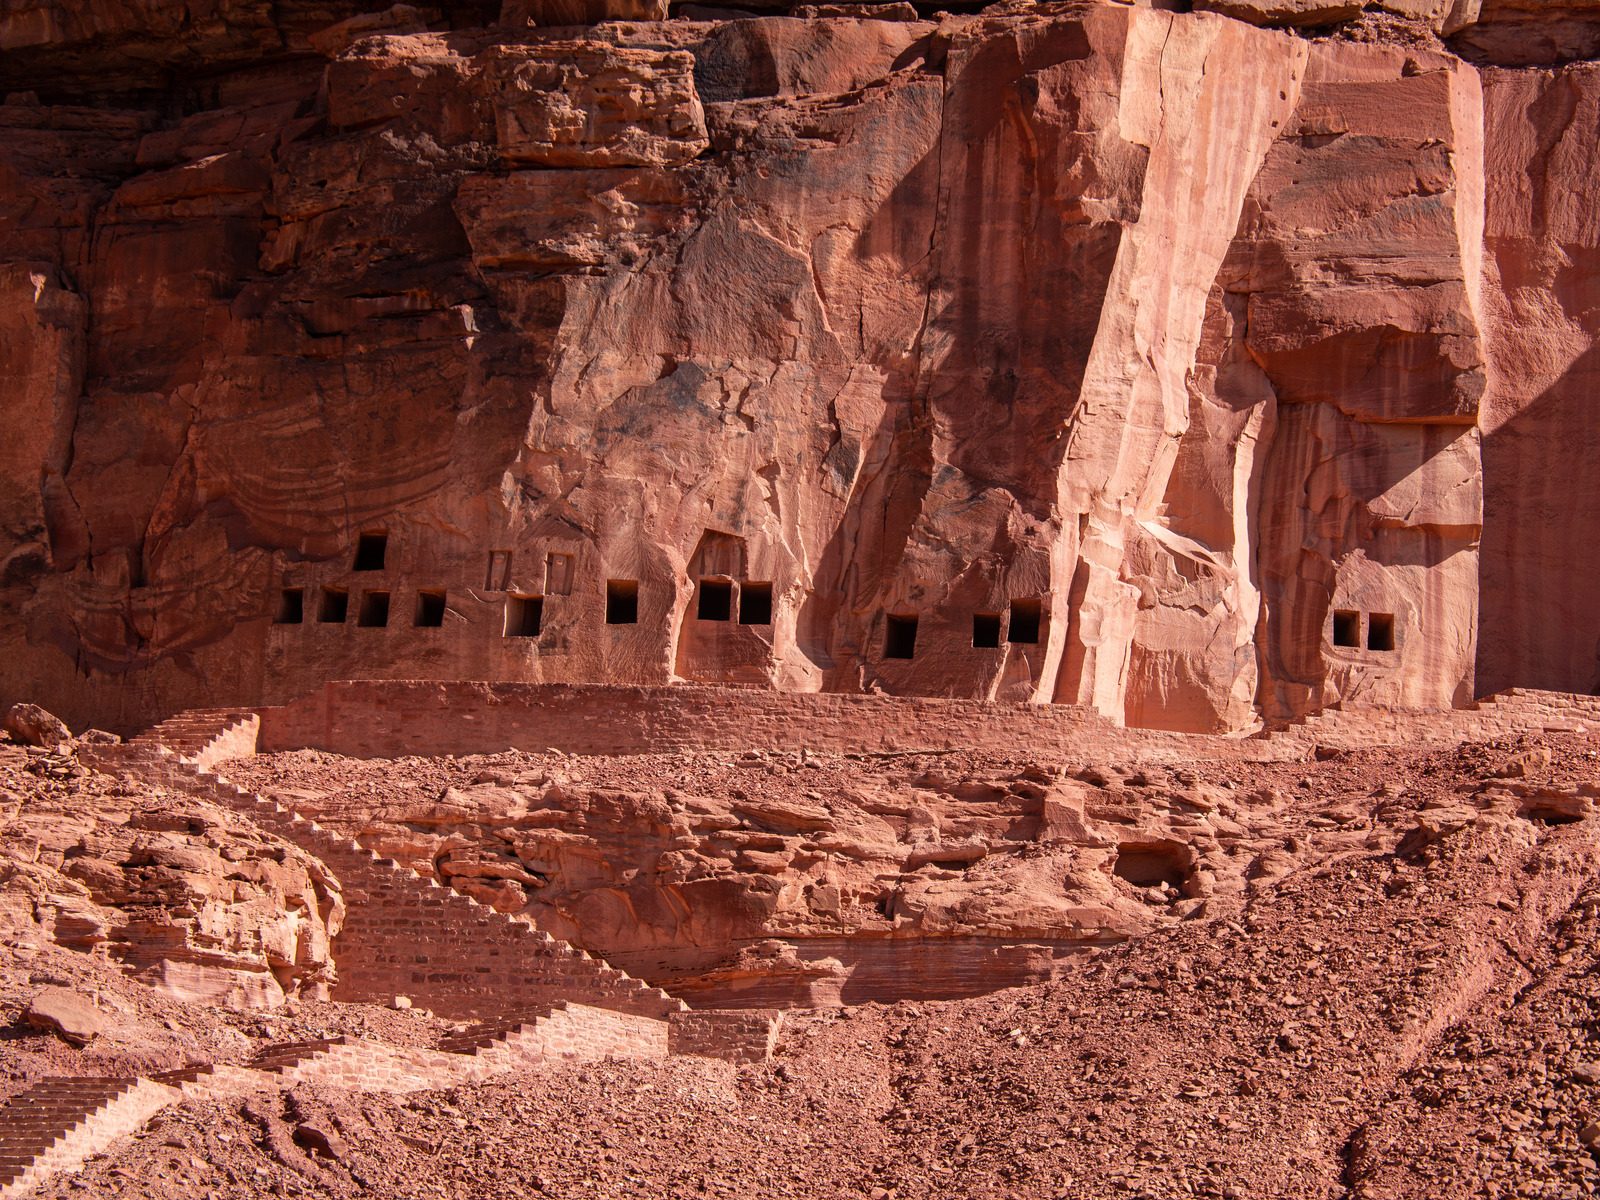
(34, 726)
(71, 1017)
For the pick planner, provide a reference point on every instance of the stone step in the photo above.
(57, 1124)
(377, 888)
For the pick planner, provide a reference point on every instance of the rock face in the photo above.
(187, 898)
(1162, 363)
(784, 879)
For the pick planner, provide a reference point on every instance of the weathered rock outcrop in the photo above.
(789, 879)
(1162, 363)
(188, 898)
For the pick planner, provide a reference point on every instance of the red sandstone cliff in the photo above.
(1187, 360)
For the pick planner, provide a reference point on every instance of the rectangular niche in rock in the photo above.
(986, 630)
(1025, 619)
(430, 610)
(524, 616)
(371, 550)
(1380, 631)
(291, 607)
(498, 578)
(374, 610)
(715, 602)
(557, 574)
(622, 602)
(755, 603)
(1346, 628)
(900, 636)
(334, 607)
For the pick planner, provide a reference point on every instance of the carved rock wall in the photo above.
(1091, 354)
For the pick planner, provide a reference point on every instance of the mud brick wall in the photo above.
(734, 1034)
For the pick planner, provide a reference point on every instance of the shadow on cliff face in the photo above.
(1539, 619)
(868, 543)
(1340, 490)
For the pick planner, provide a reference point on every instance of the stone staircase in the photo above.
(203, 737)
(403, 934)
(56, 1124)
(535, 998)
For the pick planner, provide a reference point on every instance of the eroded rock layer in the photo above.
(188, 898)
(1171, 364)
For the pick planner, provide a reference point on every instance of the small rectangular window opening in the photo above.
(498, 577)
(335, 606)
(1024, 628)
(371, 549)
(291, 607)
(374, 610)
(1380, 631)
(986, 630)
(622, 602)
(1346, 628)
(524, 615)
(900, 637)
(755, 603)
(716, 600)
(430, 610)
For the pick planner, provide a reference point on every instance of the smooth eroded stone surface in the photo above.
(1285, 12)
(71, 1017)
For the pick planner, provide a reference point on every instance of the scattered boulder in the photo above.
(1520, 766)
(319, 1139)
(71, 1017)
(33, 726)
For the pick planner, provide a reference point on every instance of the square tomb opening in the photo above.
(622, 602)
(291, 607)
(1025, 619)
(430, 610)
(334, 606)
(1380, 631)
(1346, 628)
(900, 636)
(755, 603)
(986, 630)
(524, 616)
(715, 601)
(371, 551)
(374, 612)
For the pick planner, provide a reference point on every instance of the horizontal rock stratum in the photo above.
(1200, 368)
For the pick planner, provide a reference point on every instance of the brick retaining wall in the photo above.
(390, 719)
(734, 1034)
